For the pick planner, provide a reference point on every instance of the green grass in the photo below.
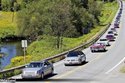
(44, 48)
(108, 12)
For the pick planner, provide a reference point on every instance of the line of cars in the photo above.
(102, 43)
(42, 68)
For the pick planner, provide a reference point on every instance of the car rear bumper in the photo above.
(72, 62)
(30, 76)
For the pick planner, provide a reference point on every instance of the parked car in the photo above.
(104, 41)
(74, 57)
(98, 47)
(37, 70)
(113, 33)
(110, 37)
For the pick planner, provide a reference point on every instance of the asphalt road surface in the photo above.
(101, 67)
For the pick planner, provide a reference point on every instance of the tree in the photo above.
(95, 9)
(57, 18)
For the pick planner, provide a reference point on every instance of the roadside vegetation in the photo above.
(47, 43)
(7, 27)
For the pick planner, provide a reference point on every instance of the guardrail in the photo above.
(16, 70)
(10, 72)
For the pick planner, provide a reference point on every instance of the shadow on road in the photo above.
(40, 79)
(83, 63)
(100, 51)
(69, 80)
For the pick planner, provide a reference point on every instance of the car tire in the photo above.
(52, 70)
(92, 50)
(65, 64)
(42, 76)
(104, 50)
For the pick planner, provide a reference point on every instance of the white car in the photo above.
(74, 57)
(104, 41)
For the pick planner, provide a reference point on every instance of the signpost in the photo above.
(24, 45)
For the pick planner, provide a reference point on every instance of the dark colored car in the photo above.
(110, 37)
(113, 29)
(116, 25)
(113, 33)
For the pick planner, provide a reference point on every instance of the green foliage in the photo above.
(65, 18)
(7, 27)
(107, 12)
(44, 46)
(10, 74)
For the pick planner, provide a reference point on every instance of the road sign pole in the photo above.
(24, 45)
(24, 54)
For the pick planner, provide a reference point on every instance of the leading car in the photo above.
(37, 70)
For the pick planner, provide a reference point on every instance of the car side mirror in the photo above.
(26, 66)
(45, 65)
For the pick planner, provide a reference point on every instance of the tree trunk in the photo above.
(0, 4)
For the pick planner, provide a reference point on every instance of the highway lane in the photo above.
(95, 71)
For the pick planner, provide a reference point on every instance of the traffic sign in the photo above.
(24, 43)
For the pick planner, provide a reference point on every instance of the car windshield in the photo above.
(32, 65)
(110, 32)
(103, 39)
(109, 35)
(72, 54)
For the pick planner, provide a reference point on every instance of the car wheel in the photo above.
(65, 64)
(92, 50)
(52, 71)
(42, 75)
(104, 49)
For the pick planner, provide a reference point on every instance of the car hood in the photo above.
(95, 45)
(31, 69)
(103, 41)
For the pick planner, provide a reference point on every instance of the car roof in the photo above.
(75, 51)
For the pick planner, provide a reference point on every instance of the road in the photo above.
(100, 67)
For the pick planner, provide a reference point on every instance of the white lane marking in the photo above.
(115, 66)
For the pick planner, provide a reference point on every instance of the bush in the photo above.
(20, 59)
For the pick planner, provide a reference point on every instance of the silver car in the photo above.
(37, 70)
(74, 57)
(104, 41)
